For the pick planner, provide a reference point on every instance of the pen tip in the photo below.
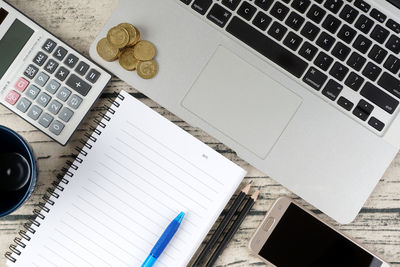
(180, 216)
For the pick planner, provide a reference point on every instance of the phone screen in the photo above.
(299, 239)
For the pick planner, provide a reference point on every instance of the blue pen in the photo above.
(163, 241)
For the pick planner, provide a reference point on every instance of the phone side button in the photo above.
(268, 224)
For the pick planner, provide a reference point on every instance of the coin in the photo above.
(127, 60)
(134, 34)
(118, 37)
(147, 69)
(144, 51)
(107, 51)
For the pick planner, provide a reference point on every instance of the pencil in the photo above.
(224, 223)
(232, 230)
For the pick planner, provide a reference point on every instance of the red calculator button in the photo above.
(12, 97)
(21, 84)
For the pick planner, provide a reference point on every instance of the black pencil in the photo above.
(224, 223)
(232, 230)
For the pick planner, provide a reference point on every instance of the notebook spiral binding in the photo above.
(53, 192)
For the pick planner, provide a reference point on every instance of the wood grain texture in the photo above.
(77, 22)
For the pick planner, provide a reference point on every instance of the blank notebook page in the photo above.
(139, 174)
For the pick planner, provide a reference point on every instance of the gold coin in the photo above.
(118, 37)
(144, 51)
(134, 34)
(107, 51)
(127, 60)
(147, 69)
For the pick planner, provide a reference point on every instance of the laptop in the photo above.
(306, 91)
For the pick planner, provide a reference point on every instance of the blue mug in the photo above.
(15, 148)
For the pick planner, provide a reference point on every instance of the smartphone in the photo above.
(291, 236)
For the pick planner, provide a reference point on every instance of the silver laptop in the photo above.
(306, 91)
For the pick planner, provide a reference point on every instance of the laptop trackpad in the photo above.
(242, 102)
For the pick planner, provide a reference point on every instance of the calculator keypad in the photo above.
(71, 61)
(78, 84)
(40, 59)
(21, 84)
(60, 53)
(41, 79)
(32, 92)
(31, 71)
(49, 46)
(62, 73)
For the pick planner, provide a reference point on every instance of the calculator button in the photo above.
(43, 99)
(60, 53)
(31, 71)
(78, 85)
(32, 92)
(93, 76)
(56, 127)
(23, 104)
(51, 66)
(52, 86)
(49, 46)
(34, 112)
(63, 94)
(21, 84)
(45, 120)
(75, 101)
(66, 114)
(55, 107)
(40, 59)
(41, 79)
(71, 60)
(62, 73)
(12, 97)
(82, 68)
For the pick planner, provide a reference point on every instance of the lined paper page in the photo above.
(142, 171)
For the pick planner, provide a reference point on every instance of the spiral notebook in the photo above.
(136, 172)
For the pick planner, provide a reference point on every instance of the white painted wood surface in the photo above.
(77, 22)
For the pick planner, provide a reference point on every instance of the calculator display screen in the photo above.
(12, 43)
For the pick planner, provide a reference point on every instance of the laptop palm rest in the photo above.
(242, 102)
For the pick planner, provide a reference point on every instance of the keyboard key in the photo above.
(23, 104)
(392, 64)
(362, 44)
(63, 94)
(347, 34)
(323, 61)
(31, 71)
(332, 90)
(233, 4)
(32, 92)
(316, 13)
(40, 58)
(292, 41)
(277, 30)
(56, 127)
(308, 51)
(262, 21)
(267, 47)
(345, 103)
(187, 2)
(315, 78)
(78, 84)
(377, 54)
(71, 60)
(51, 66)
(54, 107)
(12, 97)
(331, 24)
(217, 14)
(363, 6)
(21, 84)
(379, 16)
(379, 98)
(349, 14)
(341, 51)
(75, 101)
(82, 68)
(394, 44)
(49, 46)
(52, 86)
(279, 10)
(246, 11)
(43, 99)
(361, 114)
(364, 24)
(93, 76)
(371, 71)
(62, 73)
(264, 4)
(354, 81)
(365, 106)
(377, 124)
(356, 61)
(339, 71)
(301, 5)
(41, 79)
(34, 112)
(390, 84)
(45, 120)
(310, 31)
(379, 34)
(201, 6)
(60, 53)
(393, 25)
(66, 114)
(325, 41)
(294, 21)
(333, 5)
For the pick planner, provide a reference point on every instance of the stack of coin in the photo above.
(123, 43)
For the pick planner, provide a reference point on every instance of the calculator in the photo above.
(42, 79)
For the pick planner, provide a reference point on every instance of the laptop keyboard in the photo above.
(346, 50)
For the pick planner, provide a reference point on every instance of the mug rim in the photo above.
(32, 163)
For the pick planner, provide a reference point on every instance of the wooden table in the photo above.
(77, 22)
